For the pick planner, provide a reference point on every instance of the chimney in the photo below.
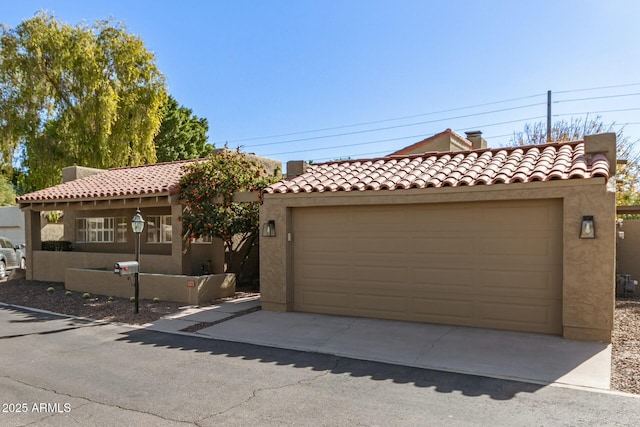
(295, 168)
(71, 173)
(477, 141)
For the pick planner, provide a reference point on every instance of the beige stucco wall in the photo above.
(205, 289)
(589, 265)
(445, 143)
(628, 253)
(51, 266)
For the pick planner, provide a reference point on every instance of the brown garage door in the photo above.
(486, 264)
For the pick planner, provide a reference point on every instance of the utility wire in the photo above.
(396, 139)
(384, 120)
(596, 112)
(431, 113)
(396, 126)
(596, 97)
(597, 88)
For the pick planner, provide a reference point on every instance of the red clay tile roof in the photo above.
(158, 179)
(452, 169)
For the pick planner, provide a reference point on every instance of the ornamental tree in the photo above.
(207, 190)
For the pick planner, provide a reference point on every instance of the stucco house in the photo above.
(98, 206)
(447, 140)
(519, 238)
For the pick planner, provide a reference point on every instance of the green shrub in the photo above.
(156, 300)
(50, 289)
(86, 295)
(68, 293)
(110, 299)
(57, 245)
(132, 299)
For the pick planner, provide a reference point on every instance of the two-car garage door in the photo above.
(485, 264)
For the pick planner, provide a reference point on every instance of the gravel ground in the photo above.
(625, 355)
(626, 335)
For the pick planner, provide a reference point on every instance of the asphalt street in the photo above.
(56, 371)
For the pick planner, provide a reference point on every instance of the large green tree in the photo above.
(182, 135)
(7, 193)
(627, 171)
(87, 95)
(207, 189)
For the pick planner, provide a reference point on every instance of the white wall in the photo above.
(12, 224)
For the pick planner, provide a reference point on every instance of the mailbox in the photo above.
(125, 268)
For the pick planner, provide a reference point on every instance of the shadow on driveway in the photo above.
(443, 382)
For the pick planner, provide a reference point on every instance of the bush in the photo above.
(57, 246)
(68, 293)
(156, 300)
(50, 289)
(86, 295)
(132, 299)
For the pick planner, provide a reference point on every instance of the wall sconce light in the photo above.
(587, 228)
(269, 228)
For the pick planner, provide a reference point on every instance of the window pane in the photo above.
(167, 229)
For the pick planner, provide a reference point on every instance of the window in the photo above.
(101, 230)
(159, 229)
(203, 239)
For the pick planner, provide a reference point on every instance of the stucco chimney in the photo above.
(295, 168)
(71, 173)
(477, 141)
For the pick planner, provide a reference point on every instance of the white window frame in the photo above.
(203, 240)
(101, 230)
(159, 229)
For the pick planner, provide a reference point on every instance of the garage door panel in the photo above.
(457, 310)
(514, 246)
(391, 304)
(382, 245)
(542, 316)
(380, 274)
(441, 279)
(539, 282)
(320, 272)
(487, 264)
(322, 301)
(324, 244)
(441, 245)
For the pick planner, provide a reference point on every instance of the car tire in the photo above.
(23, 264)
(3, 270)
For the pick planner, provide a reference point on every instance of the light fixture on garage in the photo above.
(269, 228)
(587, 228)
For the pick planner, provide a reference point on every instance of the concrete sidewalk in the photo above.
(535, 358)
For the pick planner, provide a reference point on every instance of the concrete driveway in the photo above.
(534, 358)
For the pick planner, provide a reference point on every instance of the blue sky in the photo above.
(281, 69)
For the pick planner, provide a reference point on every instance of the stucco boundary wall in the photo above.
(628, 253)
(193, 290)
(588, 264)
(50, 266)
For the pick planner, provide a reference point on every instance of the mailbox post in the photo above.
(137, 224)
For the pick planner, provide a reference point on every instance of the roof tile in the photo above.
(161, 178)
(479, 167)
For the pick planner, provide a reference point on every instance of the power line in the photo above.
(396, 139)
(432, 113)
(597, 88)
(484, 126)
(596, 97)
(396, 126)
(597, 112)
(381, 121)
